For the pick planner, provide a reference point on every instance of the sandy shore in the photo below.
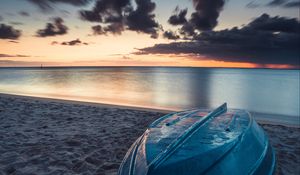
(40, 136)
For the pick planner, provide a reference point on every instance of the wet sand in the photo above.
(40, 136)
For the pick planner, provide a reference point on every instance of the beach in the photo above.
(44, 136)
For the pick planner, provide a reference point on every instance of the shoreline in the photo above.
(265, 118)
(42, 136)
(95, 104)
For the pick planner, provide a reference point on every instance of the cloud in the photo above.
(204, 18)
(12, 41)
(187, 30)
(11, 62)
(276, 2)
(8, 32)
(23, 13)
(64, 13)
(171, 35)
(142, 18)
(109, 12)
(75, 42)
(253, 4)
(91, 16)
(116, 16)
(275, 24)
(1, 18)
(179, 17)
(126, 57)
(252, 43)
(8, 56)
(16, 23)
(294, 4)
(207, 13)
(52, 29)
(47, 5)
(16, 63)
(98, 30)
(114, 28)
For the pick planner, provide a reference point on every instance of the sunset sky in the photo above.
(199, 33)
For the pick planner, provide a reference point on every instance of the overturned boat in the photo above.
(201, 141)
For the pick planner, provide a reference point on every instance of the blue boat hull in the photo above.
(201, 142)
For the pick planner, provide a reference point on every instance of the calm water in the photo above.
(259, 90)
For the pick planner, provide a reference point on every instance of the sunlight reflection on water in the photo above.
(259, 90)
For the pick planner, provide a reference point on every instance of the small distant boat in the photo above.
(195, 142)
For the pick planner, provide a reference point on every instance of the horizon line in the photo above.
(204, 67)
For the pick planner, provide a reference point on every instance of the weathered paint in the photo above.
(201, 142)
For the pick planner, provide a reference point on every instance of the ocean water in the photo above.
(257, 90)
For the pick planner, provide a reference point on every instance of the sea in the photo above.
(272, 91)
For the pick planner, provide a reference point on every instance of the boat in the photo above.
(201, 141)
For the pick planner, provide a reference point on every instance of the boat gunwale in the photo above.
(263, 155)
(237, 141)
(161, 157)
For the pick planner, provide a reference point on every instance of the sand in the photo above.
(40, 136)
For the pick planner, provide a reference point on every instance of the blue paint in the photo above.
(220, 142)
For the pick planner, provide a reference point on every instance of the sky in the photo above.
(196, 33)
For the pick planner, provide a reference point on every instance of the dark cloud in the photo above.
(171, 35)
(54, 43)
(8, 56)
(207, 13)
(105, 10)
(23, 13)
(109, 12)
(276, 2)
(91, 16)
(187, 30)
(47, 5)
(249, 44)
(75, 42)
(8, 32)
(294, 4)
(12, 41)
(98, 30)
(119, 15)
(16, 23)
(114, 28)
(142, 18)
(252, 4)
(179, 17)
(275, 24)
(205, 17)
(52, 29)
